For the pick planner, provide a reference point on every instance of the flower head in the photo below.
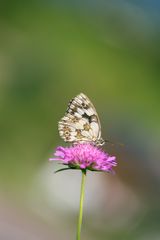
(85, 156)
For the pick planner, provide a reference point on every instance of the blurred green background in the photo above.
(50, 51)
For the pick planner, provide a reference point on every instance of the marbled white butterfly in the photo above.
(81, 123)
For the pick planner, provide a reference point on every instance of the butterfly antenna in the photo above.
(113, 144)
(107, 141)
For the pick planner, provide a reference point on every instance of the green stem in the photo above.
(81, 205)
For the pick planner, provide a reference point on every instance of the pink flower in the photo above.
(85, 156)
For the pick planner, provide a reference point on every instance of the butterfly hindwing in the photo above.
(81, 122)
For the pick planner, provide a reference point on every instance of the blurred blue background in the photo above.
(49, 52)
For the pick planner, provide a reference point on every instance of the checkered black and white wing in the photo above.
(81, 122)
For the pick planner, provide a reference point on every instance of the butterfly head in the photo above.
(100, 142)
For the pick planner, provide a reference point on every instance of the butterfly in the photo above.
(81, 123)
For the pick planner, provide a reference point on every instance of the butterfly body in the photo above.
(81, 123)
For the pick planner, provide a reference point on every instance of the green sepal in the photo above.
(61, 169)
(68, 168)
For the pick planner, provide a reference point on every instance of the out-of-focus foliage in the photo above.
(49, 52)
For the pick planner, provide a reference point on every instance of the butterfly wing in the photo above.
(81, 122)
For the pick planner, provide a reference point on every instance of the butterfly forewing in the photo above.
(81, 122)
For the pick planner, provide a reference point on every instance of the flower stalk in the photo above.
(79, 225)
(83, 156)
